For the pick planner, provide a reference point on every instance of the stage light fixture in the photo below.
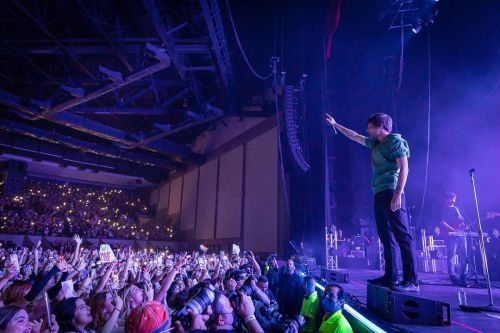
(417, 27)
(414, 14)
(111, 75)
(75, 92)
(158, 53)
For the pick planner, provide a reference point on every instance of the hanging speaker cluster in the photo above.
(291, 126)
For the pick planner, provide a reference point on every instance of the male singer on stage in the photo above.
(389, 156)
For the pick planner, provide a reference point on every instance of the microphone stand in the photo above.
(490, 307)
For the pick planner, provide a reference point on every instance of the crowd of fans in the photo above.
(58, 209)
(76, 287)
(139, 291)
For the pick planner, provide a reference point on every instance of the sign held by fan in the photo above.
(235, 249)
(203, 248)
(106, 254)
(68, 289)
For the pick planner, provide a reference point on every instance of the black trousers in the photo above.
(392, 228)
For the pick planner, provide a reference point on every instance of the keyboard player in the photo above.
(452, 220)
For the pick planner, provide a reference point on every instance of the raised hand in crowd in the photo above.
(40, 326)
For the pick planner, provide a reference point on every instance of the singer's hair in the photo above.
(381, 120)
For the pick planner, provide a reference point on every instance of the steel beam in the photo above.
(167, 38)
(151, 140)
(53, 38)
(212, 113)
(27, 59)
(32, 149)
(209, 68)
(103, 49)
(15, 102)
(174, 83)
(134, 97)
(119, 40)
(95, 22)
(177, 151)
(174, 98)
(213, 20)
(88, 147)
(107, 89)
(119, 111)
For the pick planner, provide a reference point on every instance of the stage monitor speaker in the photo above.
(407, 309)
(334, 276)
(361, 263)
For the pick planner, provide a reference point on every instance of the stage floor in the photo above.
(437, 287)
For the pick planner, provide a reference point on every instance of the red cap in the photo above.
(149, 317)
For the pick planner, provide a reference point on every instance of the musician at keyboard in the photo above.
(492, 224)
(452, 221)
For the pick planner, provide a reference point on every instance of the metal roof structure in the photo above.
(121, 85)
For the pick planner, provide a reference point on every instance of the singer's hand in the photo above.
(330, 120)
(396, 202)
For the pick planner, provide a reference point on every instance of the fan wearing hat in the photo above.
(148, 317)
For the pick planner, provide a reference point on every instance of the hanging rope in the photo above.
(254, 72)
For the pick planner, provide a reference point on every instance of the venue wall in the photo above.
(232, 198)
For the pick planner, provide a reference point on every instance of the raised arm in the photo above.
(216, 272)
(76, 254)
(246, 310)
(78, 269)
(259, 293)
(354, 136)
(104, 279)
(36, 263)
(117, 308)
(256, 267)
(160, 295)
(23, 257)
(10, 273)
(124, 272)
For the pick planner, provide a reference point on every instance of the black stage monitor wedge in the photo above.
(403, 308)
(334, 276)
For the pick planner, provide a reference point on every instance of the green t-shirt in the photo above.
(310, 307)
(384, 155)
(336, 323)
